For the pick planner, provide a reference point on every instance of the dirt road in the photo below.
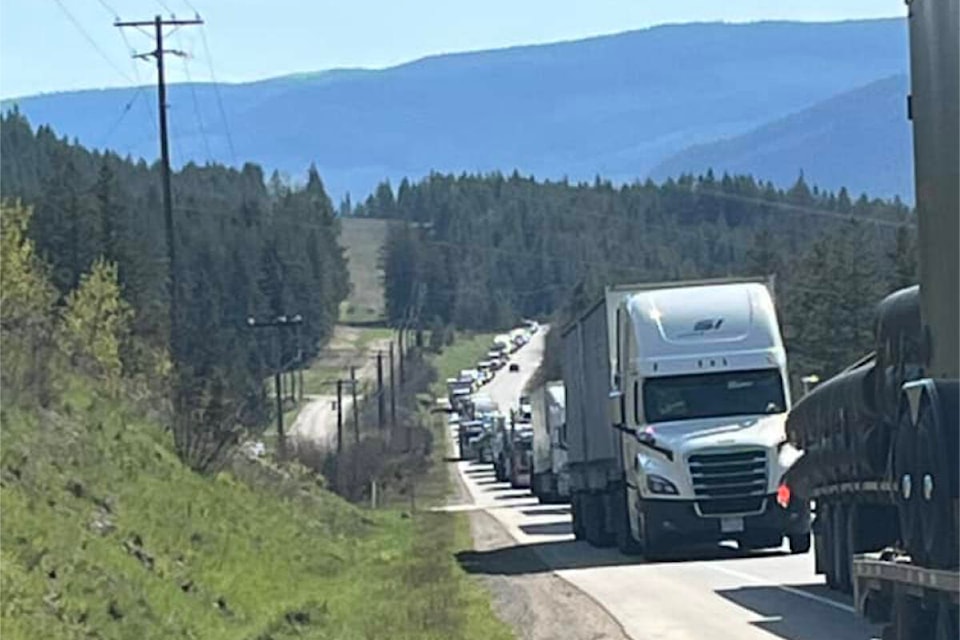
(317, 420)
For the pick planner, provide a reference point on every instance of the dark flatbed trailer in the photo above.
(913, 602)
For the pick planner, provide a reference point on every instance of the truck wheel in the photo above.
(799, 542)
(933, 474)
(626, 543)
(757, 542)
(907, 487)
(593, 518)
(946, 628)
(841, 553)
(576, 516)
(654, 546)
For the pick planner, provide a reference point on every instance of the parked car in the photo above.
(514, 367)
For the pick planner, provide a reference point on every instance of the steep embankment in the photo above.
(106, 533)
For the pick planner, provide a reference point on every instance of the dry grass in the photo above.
(362, 239)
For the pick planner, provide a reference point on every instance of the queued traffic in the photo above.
(486, 432)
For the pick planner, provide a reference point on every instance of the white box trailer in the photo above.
(676, 398)
(551, 481)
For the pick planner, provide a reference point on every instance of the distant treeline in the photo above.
(480, 251)
(245, 247)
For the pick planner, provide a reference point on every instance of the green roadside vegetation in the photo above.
(465, 353)
(108, 533)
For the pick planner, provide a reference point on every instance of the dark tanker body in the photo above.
(881, 440)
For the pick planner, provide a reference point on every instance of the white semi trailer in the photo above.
(676, 398)
(551, 481)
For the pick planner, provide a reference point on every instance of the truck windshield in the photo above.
(713, 395)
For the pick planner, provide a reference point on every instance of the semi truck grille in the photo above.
(731, 482)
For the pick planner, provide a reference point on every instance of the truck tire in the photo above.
(799, 542)
(907, 488)
(946, 626)
(938, 536)
(597, 534)
(842, 558)
(592, 510)
(764, 541)
(654, 546)
(576, 516)
(626, 543)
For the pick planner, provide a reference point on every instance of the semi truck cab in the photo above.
(701, 398)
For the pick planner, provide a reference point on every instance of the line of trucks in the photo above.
(485, 433)
(673, 422)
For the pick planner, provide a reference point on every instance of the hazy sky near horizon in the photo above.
(45, 45)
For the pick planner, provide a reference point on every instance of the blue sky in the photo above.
(42, 50)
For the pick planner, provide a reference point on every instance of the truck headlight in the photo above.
(660, 485)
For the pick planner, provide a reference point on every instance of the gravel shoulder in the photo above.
(538, 605)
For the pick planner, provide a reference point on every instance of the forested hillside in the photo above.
(482, 250)
(243, 248)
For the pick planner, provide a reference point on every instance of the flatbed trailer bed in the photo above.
(916, 603)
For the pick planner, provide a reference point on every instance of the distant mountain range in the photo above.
(771, 98)
(859, 140)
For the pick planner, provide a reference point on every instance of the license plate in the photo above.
(731, 525)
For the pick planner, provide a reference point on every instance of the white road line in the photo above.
(782, 587)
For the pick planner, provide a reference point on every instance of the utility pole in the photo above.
(356, 407)
(380, 406)
(281, 322)
(299, 368)
(400, 330)
(393, 393)
(158, 24)
(339, 415)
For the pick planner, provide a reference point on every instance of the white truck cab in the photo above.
(676, 402)
(702, 385)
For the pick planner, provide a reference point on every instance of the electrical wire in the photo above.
(123, 114)
(92, 42)
(196, 103)
(216, 90)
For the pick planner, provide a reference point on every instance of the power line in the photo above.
(92, 42)
(123, 114)
(113, 12)
(158, 53)
(165, 7)
(216, 90)
(196, 103)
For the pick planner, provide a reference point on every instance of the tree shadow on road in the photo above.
(792, 616)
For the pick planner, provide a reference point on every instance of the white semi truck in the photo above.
(551, 481)
(676, 398)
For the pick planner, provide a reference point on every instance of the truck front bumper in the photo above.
(680, 520)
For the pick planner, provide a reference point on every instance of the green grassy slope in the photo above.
(362, 239)
(106, 535)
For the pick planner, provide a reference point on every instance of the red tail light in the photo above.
(783, 496)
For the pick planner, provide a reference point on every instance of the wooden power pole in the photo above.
(158, 23)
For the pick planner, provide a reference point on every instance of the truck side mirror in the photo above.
(617, 413)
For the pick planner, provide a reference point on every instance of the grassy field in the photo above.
(465, 353)
(362, 240)
(106, 534)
